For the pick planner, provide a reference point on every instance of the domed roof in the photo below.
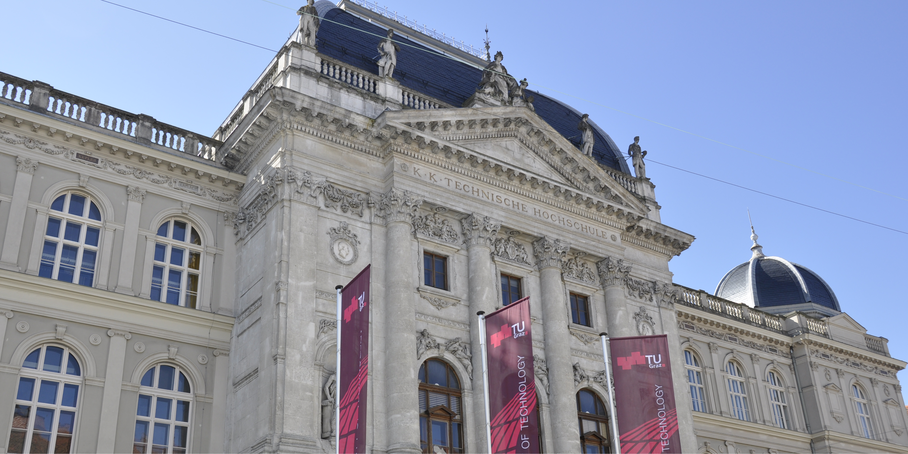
(776, 285)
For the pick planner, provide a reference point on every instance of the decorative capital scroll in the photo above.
(549, 252)
(27, 165)
(398, 206)
(119, 332)
(479, 230)
(612, 272)
(135, 194)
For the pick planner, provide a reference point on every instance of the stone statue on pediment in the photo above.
(517, 93)
(495, 87)
(637, 157)
(388, 50)
(308, 24)
(587, 140)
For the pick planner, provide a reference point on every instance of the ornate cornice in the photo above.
(479, 230)
(612, 272)
(549, 252)
(773, 346)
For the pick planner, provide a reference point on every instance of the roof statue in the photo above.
(587, 140)
(308, 24)
(387, 49)
(517, 93)
(637, 156)
(495, 84)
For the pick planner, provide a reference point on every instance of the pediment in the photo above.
(832, 388)
(510, 150)
(844, 321)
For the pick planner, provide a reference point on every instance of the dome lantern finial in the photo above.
(756, 248)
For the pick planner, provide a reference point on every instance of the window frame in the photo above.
(574, 299)
(510, 277)
(598, 440)
(161, 288)
(778, 402)
(862, 410)
(50, 267)
(155, 393)
(62, 379)
(736, 386)
(694, 369)
(432, 274)
(441, 413)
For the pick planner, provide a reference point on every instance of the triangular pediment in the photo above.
(845, 321)
(520, 143)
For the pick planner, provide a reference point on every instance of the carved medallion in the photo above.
(645, 325)
(343, 244)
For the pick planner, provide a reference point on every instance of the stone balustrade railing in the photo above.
(728, 309)
(41, 97)
(415, 100)
(348, 74)
(625, 180)
(877, 344)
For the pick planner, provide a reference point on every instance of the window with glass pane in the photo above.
(71, 240)
(177, 259)
(580, 310)
(510, 289)
(737, 394)
(695, 381)
(593, 421)
(440, 409)
(778, 400)
(862, 408)
(47, 398)
(435, 268)
(163, 411)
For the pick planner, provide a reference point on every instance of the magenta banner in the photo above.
(354, 364)
(512, 386)
(645, 397)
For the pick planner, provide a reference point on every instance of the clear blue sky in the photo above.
(818, 84)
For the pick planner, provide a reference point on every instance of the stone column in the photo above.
(562, 400)
(479, 232)
(135, 196)
(612, 273)
(113, 381)
(16, 222)
(401, 382)
(217, 431)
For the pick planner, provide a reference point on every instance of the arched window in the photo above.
(46, 401)
(862, 408)
(593, 420)
(778, 401)
(162, 415)
(440, 409)
(71, 240)
(695, 381)
(736, 391)
(177, 259)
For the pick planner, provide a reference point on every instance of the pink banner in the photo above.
(644, 395)
(354, 364)
(512, 386)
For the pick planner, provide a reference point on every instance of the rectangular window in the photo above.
(435, 269)
(510, 289)
(580, 310)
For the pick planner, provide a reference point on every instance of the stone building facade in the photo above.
(460, 188)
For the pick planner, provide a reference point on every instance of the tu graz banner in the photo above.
(354, 364)
(645, 397)
(512, 389)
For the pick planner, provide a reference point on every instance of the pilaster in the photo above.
(135, 196)
(612, 274)
(9, 257)
(113, 381)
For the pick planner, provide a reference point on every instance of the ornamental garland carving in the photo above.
(636, 288)
(435, 227)
(249, 216)
(344, 245)
(666, 294)
(456, 347)
(582, 375)
(612, 272)
(509, 249)
(579, 270)
(438, 302)
(582, 336)
(479, 230)
(332, 196)
(549, 253)
(851, 363)
(688, 326)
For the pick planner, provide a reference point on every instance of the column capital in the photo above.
(612, 272)
(398, 206)
(119, 332)
(549, 252)
(26, 165)
(135, 194)
(479, 230)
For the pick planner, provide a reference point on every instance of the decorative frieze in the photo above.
(344, 244)
(578, 270)
(688, 326)
(331, 196)
(642, 290)
(253, 213)
(816, 353)
(435, 227)
(398, 205)
(549, 252)
(511, 250)
(479, 230)
(612, 272)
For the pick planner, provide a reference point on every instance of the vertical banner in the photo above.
(645, 397)
(512, 386)
(354, 364)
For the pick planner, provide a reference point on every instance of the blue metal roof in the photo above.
(354, 41)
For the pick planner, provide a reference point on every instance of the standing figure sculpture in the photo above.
(587, 139)
(495, 80)
(387, 49)
(328, 407)
(308, 24)
(517, 93)
(637, 157)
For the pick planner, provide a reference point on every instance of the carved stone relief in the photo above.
(325, 326)
(435, 227)
(331, 196)
(851, 363)
(639, 289)
(578, 270)
(644, 323)
(328, 420)
(437, 301)
(612, 272)
(687, 326)
(511, 250)
(583, 336)
(541, 369)
(549, 253)
(344, 244)
(479, 230)
(425, 342)
(398, 205)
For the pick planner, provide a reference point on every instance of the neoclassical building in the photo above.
(168, 291)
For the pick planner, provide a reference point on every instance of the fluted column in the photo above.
(549, 254)
(612, 273)
(401, 382)
(479, 232)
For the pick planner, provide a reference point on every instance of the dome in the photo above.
(776, 285)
